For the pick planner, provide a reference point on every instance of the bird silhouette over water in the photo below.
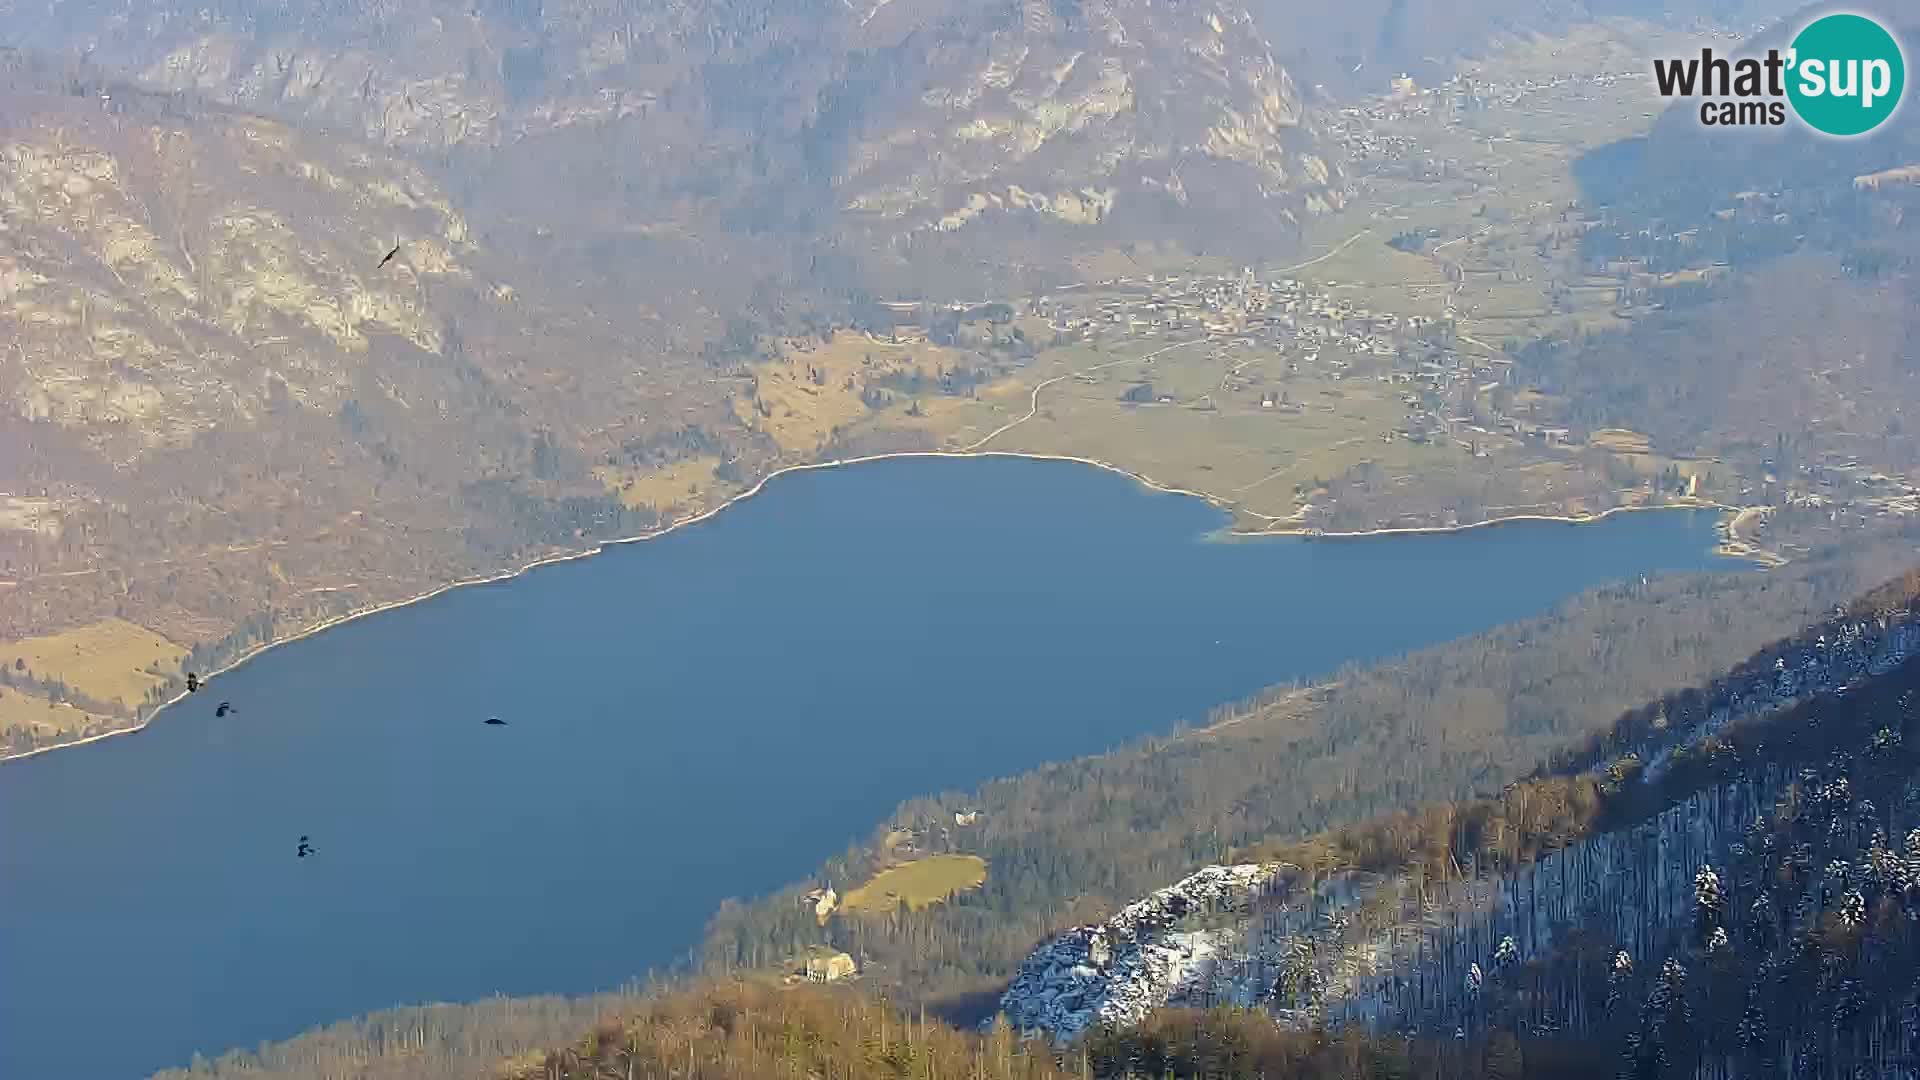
(305, 848)
(225, 708)
(494, 721)
(193, 683)
(389, 258)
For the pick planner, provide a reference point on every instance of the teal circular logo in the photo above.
(1847, 75)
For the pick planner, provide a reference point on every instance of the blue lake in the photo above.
(705, 715)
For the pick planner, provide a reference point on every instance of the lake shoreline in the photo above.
(1731, 545)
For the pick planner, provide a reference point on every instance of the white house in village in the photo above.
(829, 967)
(823, 900)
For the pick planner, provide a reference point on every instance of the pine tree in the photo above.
(1507, 954)
(1709, 900)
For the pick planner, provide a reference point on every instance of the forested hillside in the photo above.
(1722, 895)
(732, 1031)
(1071, 843)
(1722, 883)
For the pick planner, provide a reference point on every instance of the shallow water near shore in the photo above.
(705, 715)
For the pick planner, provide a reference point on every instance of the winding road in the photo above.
(1342, 246)
(1033, 408)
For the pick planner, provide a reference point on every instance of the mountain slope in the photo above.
(1771, 274)
(1677, 895)
(1358, 44)
(218, 397)
(730, 116)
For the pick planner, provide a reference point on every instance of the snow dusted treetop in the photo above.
(1707, 895)
(1853, 909)
(1508, 953)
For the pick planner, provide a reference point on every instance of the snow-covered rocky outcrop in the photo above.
(1119, 971)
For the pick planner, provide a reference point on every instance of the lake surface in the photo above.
(702, 716)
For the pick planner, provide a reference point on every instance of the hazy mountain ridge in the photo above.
(1356, 44)
(921, 107)
(426, 74)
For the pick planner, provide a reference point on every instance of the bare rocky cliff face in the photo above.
(1069, 117)
(144, 297)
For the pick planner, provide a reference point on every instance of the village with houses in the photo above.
(1309, 330)
(1381, 383)
(1461, 257)
(1319, 328)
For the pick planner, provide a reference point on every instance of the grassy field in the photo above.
(920, 883)
(105, 660)
(20, 710)
(680, 484)
(1620, 441)
(814, 388)
(1148, 259)
(1213, 436)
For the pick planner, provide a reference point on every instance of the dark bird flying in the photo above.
(495, 721)
(389, 258)
(305, 849)
(193, 683)
(225, 708)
